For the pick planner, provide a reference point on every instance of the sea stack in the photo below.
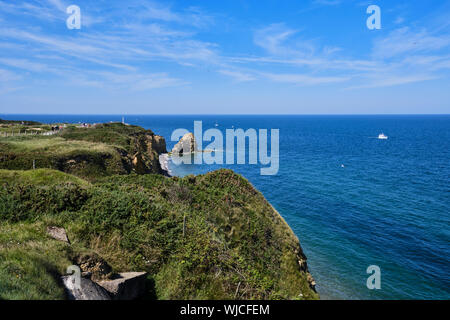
(187, 144)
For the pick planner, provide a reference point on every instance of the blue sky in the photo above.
(225, 57)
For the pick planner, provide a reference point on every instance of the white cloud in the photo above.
(118, 56)
(399, 20)
(277, 39)
(23, 64)
(8, 81)
(327, 2)
(146, 11)
(302, 79)
(137, 81)
(58, 4)
(405, 41)
(392, 80)
(237, 75)
(8, 76)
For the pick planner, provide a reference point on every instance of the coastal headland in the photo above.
(211, 236)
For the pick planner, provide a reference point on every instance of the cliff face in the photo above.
(211, 236)
(145, 149)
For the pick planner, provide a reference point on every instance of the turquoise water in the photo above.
(388, 206)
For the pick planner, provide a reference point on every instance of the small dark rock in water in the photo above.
(58, 234)
(88, 290)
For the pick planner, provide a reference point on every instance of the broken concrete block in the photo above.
(126, 285)
(87, 289)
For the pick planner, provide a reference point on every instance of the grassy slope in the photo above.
(86, 152)
(38, 177)
(115, 134)
(233, 237)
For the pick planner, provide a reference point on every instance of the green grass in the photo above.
(55, 145)
(233, 237)
(11, 126)
(115, 134)
(18, 122)
(30, 263)
(39, 177)
(89, 153)
(212, 236)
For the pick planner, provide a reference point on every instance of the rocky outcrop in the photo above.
(158, 143)
(145, 151)
(126, 285)
(297, 250)
(187, 144)
(303, 266)
(58, 234)
(94, 267)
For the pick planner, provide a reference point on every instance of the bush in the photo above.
(197, 237)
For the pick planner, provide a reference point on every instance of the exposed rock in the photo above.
(58, 234)
(311, 281)
(139, 164)
(145, 151)
(94, 266)
(88, 290)
(158, 143)
(187, 144)
(126, 286)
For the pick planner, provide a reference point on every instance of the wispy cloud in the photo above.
(122, 49)
(391, 80)
(8, 76)
(50, 10)
(238, 76)
(405, 41)
(8, 81)
(128, 42)
(277, 39)
(302, 79)
(327, 2)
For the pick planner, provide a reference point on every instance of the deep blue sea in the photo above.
(389, 205)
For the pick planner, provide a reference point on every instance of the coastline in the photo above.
(164, 163)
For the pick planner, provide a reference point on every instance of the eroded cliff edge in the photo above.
(88, 152)
(211, 236)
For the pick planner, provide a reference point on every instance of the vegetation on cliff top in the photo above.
(212, 236)
(90, 153)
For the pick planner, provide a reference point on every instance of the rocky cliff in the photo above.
(187, 144)
(145, 149)
(212, 236)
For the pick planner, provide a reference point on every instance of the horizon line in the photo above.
(225, 114)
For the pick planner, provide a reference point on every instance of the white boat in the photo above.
(382, 136)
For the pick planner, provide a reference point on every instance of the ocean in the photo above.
(353, 200)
